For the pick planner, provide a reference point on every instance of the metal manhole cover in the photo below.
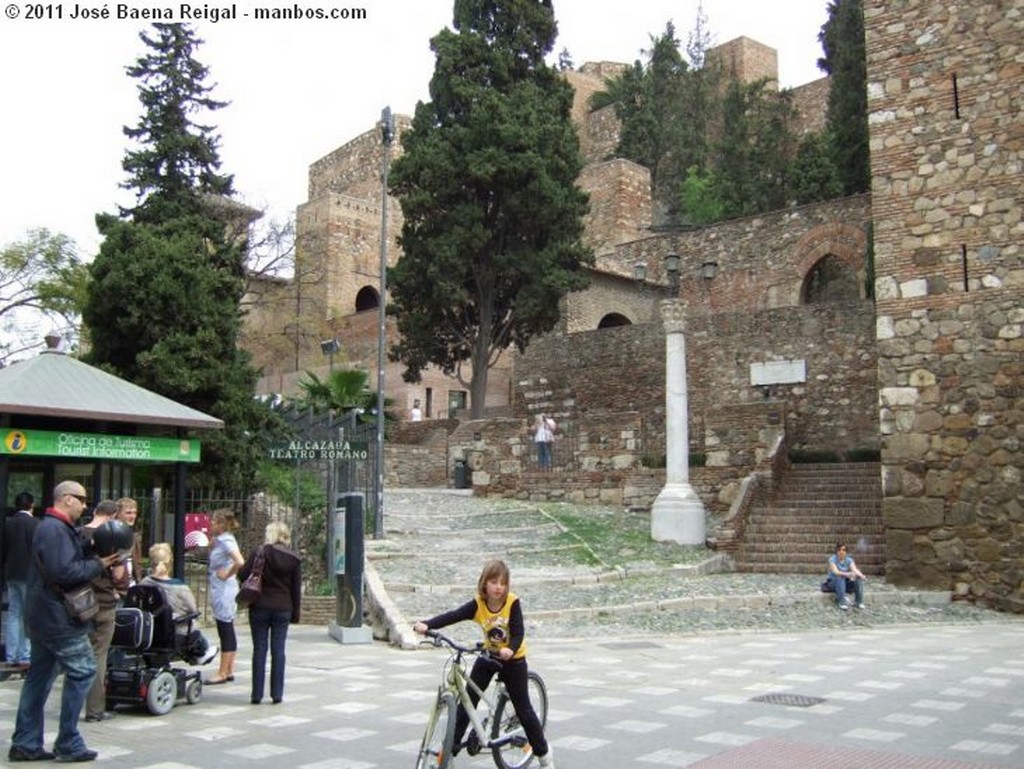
(789, 700)
(630, 645)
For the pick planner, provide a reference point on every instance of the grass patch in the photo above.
(614, 538)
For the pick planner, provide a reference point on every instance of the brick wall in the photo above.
(946, 153)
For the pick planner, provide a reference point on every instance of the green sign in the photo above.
(45, 443)
(344, 450)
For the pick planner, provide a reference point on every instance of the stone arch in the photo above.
(829, 280)
(835, 252)
(614, 319)
(367, 299)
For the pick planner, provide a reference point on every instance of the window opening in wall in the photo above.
(429, 403)
(457, 400)
(963, 264)
(613, 319)
(956, 98)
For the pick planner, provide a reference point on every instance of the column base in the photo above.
(350, 635)
(677, 515)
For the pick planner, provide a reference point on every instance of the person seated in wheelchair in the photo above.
(196, 650)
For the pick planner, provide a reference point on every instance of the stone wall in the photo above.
(746, 60)
(946, 150)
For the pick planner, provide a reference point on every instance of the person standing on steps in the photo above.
(544, 436)
(225, 561)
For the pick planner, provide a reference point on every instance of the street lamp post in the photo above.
(387, 131)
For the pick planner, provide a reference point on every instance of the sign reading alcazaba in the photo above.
(321, 450)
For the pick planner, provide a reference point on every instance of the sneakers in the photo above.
(105, 716)
(211, 652)
(20, 754)
(547, 761)
(844, 606)
(860, 606)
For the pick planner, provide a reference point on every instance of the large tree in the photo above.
(491, 239)
(845, 60)
(163, 306)
(42, 283)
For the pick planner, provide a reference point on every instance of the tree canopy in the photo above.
(163, 305)
(491, 238)
(42, 281)
(845, 60)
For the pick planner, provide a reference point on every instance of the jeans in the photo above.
(543, 455)
(73, 656)
(18, 646)
(272, 625)
(842, 584)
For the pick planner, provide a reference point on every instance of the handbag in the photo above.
(252, 587)
(79, 602)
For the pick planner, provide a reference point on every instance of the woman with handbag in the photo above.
(225, 561)
(276, 604)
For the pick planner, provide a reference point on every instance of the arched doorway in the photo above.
(830, 280)
(367, 299)
(613, 319)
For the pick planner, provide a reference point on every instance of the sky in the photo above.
(297, 89)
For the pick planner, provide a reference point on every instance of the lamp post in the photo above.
(678, 512)
(387, 133)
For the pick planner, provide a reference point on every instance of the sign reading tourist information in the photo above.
(46, 443)
(321, 450)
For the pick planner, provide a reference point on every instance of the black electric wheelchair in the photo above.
(146, 643)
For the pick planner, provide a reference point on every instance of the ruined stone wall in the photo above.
(811, 102)
(623, 369)
(746, 60)
(946, 152)
(620, 204)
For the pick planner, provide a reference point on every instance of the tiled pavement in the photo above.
(928, 697)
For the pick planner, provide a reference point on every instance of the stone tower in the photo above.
(947, 138)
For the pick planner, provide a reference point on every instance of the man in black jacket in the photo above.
(59, 644)
(18, 530)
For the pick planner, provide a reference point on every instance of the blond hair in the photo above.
(494, 569)
(161, 555)
(278, 533)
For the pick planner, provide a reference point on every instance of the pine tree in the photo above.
(163, 305)
(491, 238)
(842, 40)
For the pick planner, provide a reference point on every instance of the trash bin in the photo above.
(461, 474)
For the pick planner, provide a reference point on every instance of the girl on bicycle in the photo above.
(496, 609)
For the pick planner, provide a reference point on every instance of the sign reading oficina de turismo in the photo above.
(46, 443)
(321, 450)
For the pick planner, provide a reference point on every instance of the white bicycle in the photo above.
(493, 722)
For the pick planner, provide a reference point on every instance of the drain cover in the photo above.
(789, 700)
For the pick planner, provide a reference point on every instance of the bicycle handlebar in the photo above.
(440, 639)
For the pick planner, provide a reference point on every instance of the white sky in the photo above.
(298, 89)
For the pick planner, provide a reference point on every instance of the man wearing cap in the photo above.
(59, 644)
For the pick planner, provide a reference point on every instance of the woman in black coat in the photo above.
(278, 606)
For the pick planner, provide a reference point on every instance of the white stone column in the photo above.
(678, 513)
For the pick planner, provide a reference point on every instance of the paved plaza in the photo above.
(939, 696)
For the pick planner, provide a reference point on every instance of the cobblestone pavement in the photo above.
(436, 541)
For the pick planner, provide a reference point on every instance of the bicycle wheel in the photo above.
(516, 754)
(436, 749)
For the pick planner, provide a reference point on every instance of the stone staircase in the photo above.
(795, 529)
